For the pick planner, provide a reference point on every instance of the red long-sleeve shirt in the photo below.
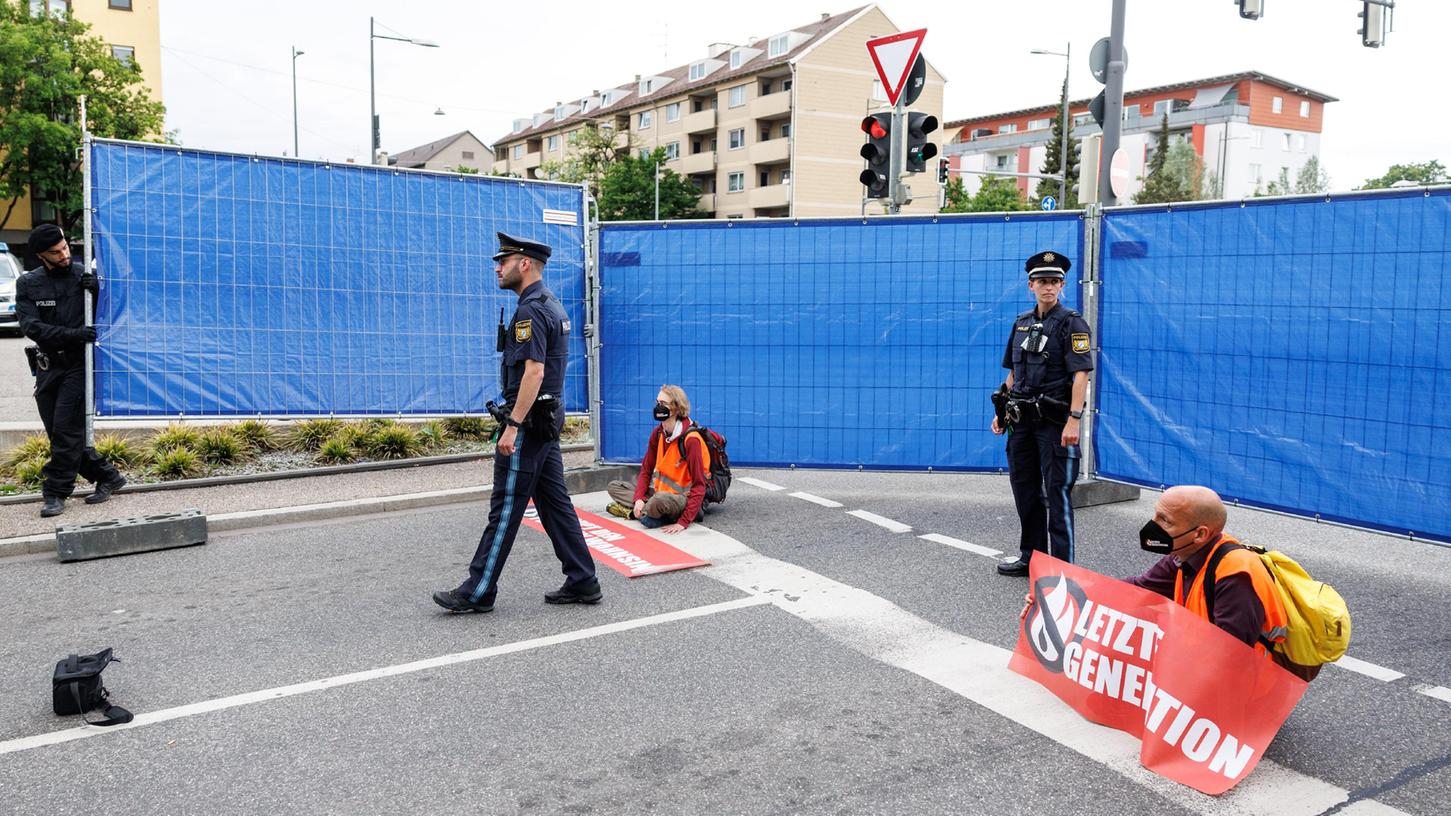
(694, 461)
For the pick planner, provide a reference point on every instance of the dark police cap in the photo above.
(1048, 265)
(44, 237)
(509, 245)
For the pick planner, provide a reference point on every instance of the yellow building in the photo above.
(133, 30)
(766, 128)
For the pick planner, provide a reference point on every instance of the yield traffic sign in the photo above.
(893, 57)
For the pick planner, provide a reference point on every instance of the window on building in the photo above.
(125, 53)
(786, 176)
(1039, 124)
(1256, 173)
(1005, 161)
(879, 94)
(785, 130)
(766, 133)
(1257, 138)
(1078, 121)
(518, 151)
(696, 145)
(1277, 105)
(697, 71)
(736, 182)
(645, 119)
(786, 84)
(1012, 128)
(697, 105)
(1300, 142)
(468, 154)
(584, 105)
(1286, 138)
(571, 136)
(672, 151)
(119, 5)
(765, 178)
(779, 44)
(737, 96)
(559, 112)
(738, 138)
(737, 57)
(672, 112)
(1304, 109)
(55, 8)
(552, 144)
(765, 87)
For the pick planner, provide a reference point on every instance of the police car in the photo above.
(9, 273)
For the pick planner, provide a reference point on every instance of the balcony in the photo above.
(700, 122)
(774, 151)
(703, 162)
(776, 195)
(707, 202)
(771, 106)
(529, 162)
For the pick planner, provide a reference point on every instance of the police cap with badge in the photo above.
(1048, 265)
(509, 245)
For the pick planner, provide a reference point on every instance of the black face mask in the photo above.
(1156, 539)
(661, 412)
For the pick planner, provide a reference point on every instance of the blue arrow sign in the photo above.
(1049, 202)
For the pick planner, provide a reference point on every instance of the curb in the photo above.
(276, 475)
(577, 480)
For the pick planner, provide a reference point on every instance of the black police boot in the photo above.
(54, 506)
(589, 593)
(105, 489)
(455, 601)
(1017, 568)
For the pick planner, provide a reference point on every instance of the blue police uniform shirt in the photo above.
(1049, 371)
(538, 332)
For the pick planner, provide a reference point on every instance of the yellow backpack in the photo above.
(1318, 619)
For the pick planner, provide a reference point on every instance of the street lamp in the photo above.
(372, 85)
(1063, 146)
(295, 55)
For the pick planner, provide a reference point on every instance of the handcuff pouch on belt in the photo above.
(39, 361)
(542, 420)
(1042, 408)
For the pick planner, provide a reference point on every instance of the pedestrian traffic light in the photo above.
(919, 150)
(878, 153)
(943, 166)
(1251, 9)
(1372, 24)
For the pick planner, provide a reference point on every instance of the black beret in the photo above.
(44, 237)
(1048, 265)
(509, 245)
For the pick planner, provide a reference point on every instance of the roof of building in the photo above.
(815, 32)
(1177, 86)
(421, 155)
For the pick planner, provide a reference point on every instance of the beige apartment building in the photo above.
(769, 128)
(133, 30)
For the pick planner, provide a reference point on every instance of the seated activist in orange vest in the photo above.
(671, 487)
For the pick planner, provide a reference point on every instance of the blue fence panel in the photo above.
(830, 343)
(239, 285)
(1293, 354)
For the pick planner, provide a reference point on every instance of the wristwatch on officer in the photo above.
(1076, 414)
(513, 423)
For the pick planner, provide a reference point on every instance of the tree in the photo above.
(1431, 172)
(1278, 187)
(627, 190)
(465, 170)
(1054, 158)
(1312, 177)
(46, 65)
(1176, 173)
(996, 194)
(592, 150)
(957, 199)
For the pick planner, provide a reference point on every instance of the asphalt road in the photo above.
(747, 708)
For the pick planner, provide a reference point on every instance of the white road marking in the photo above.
(817, 500)
(881, 521)
(1368, 669)
(977, 549)
(1438, 692)
(978, 671)
(758, 483)
(150, 717)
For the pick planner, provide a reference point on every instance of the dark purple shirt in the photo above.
(1237, 609)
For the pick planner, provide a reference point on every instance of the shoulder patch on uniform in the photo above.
(565, 326)
(523, 330)
(1080, 342)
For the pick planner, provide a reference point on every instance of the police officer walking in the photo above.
(50, 303)
(1039, 407)
(527, 461)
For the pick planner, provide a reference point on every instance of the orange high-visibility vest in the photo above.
(1235, 561)
(672, 472)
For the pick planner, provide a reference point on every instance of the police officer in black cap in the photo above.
(50, 303)
(527, 461)
(1040, 407)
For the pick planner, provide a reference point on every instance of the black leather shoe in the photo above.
(587, 594)
(105, 489)
(54, 506)
(1017, 568)
(455, 601)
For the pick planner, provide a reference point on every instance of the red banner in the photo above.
(628, 550)
(1204, 705)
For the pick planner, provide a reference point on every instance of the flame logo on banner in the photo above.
(1049, 624)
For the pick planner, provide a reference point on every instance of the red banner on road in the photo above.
(628, 550)
(1204, 705)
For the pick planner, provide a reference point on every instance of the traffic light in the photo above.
(1372, 24)
(919, 150)
(878, 153)
(1251, 9)
(943, 166)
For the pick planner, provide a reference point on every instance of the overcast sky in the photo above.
(227, 81)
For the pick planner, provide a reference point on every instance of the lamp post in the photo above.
(372, 85)
(1066, 54)
(295, 55)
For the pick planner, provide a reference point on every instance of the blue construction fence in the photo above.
(1290, 354)
(244, 285)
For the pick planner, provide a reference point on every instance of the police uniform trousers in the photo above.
(1042, 473)
(60, 395)
(534, 471)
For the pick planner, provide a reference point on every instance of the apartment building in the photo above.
(133, 30)
(767, 128)
(462, 149)
(1247, 127)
